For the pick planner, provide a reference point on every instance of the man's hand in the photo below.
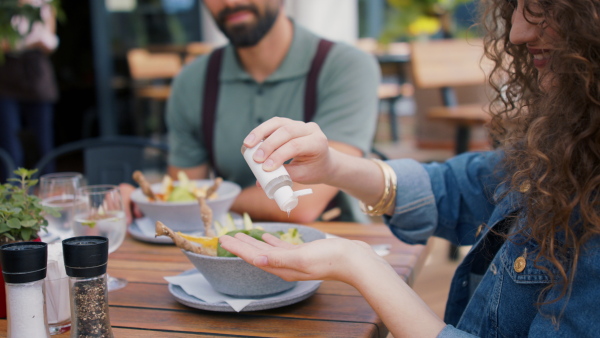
(131, 209)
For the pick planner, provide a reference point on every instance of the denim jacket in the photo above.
(490, 295)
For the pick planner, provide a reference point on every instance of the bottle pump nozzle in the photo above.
(287, 199)
(276, 184)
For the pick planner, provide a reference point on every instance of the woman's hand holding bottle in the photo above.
(286, 139)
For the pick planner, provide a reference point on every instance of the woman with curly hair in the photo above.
(530, 209)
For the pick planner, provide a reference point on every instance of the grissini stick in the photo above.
(180, 242)
(206, 214)
(213, 188)
(144, 185)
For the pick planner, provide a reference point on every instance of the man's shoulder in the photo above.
(194, 70)
(345, 51)
(344, 57)
(341, 50)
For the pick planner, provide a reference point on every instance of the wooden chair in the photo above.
(446, 65)
(151, 74)
(195, 49)
(389, 92)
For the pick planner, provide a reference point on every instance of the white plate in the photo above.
(142, 229)
(136, 232)
(280, 300)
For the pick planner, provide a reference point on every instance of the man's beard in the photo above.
(247, 35)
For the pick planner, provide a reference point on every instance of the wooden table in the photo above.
(145, 308)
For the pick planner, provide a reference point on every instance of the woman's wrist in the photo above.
(357, 176)
(394, 300)
(358, 260)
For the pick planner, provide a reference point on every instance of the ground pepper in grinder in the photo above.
(24, 270)
(86, 260)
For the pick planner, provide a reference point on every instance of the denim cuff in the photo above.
(451, 332)
(415, 214)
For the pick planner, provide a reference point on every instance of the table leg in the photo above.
(463, 133)
(393, 119)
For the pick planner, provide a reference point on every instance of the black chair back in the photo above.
(7, 166)
(110, 160)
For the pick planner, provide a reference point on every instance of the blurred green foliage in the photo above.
(21, 214)
(411, 19)
(9, 35)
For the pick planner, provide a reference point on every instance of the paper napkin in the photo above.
(197, 286)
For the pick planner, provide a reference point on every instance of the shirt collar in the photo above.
(296, 63)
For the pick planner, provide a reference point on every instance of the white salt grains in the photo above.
(26, 310)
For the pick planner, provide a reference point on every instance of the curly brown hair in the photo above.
(550, 127)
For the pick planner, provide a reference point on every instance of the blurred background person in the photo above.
(28, 88)
(263, 73)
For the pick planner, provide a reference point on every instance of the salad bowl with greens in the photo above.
(178, 206)
(233, 276)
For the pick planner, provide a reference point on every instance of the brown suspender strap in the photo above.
(310, 93)
(209, 103)
(211, 93)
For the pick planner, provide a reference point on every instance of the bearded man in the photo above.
(271, 67)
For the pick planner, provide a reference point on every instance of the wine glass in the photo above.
(59, 191)
(102, 214)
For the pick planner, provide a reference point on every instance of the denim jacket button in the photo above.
(465, 283)
(520, 264)
(479, 228)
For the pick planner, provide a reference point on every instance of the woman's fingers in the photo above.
(276, 242)
(283, 139)
(275, 260)
(252, 241)
(265, 129)
(242, 248)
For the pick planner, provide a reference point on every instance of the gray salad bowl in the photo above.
(234, 277)
(185, 216)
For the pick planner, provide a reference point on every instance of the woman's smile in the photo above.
(541, 57)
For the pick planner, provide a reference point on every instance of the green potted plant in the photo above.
(21, 213)
(21, 216)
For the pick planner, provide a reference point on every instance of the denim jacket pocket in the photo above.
(518, 262)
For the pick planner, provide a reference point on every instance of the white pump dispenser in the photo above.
(277, 184)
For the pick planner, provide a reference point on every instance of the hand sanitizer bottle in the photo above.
(277, 184)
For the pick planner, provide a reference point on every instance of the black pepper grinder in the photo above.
(86, 260)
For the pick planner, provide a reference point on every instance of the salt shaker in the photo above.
(277, 184)
(24, 270)
(86, 260)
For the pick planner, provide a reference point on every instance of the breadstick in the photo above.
(213, 188)
(144, 185)
(180, 242)
(207, 217)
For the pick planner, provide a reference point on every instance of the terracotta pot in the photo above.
(2, 289)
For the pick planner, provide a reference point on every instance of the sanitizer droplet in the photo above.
(288, 211)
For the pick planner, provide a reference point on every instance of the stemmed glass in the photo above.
(59, 191)
(102, 214)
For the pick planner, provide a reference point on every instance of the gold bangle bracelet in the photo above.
(389, 191)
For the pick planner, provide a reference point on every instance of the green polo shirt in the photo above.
(346, 103)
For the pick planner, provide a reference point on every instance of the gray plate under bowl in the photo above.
(307, 289)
